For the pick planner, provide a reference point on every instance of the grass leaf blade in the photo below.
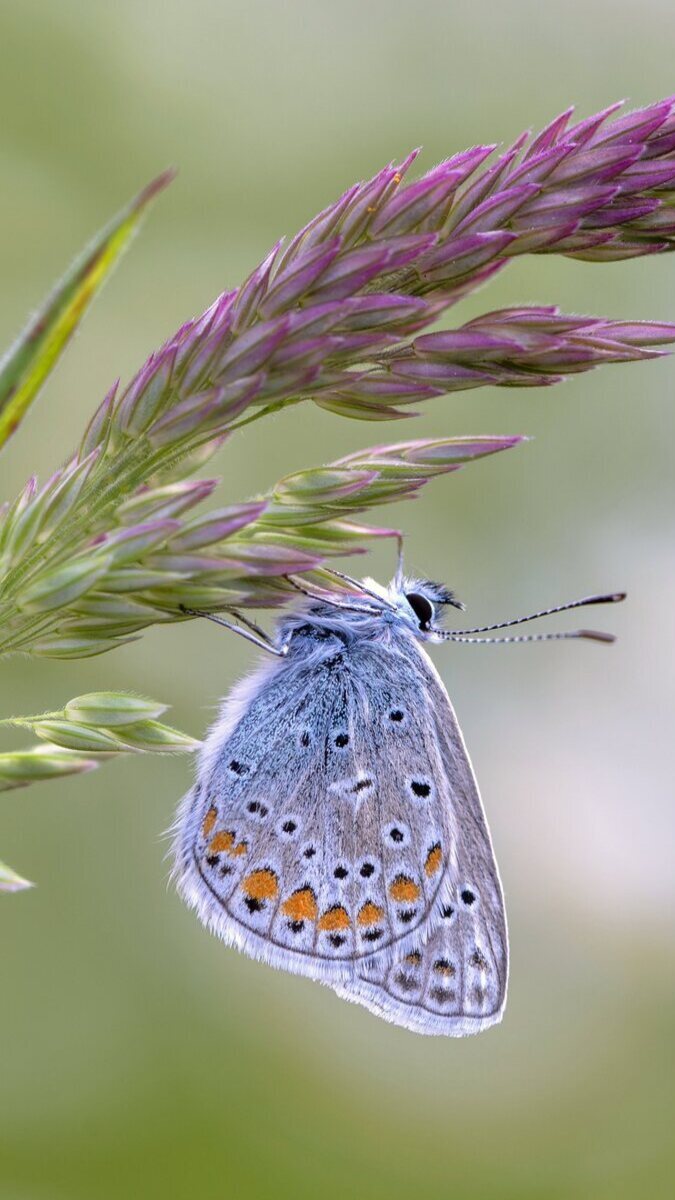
(10, 881)
(38, 348)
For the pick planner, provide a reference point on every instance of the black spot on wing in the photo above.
(238, 768)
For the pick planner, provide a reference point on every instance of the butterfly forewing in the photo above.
(320, 835)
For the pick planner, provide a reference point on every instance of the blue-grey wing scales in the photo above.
(453, 981)
(319, 835)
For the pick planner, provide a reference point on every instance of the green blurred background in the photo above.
(138, 1057)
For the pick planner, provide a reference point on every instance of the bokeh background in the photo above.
(138, 1057)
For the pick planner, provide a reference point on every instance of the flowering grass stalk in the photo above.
(10, 881)
(117, 539)
(28, 362)
(99, 723)
(104, 548)
(88, 730)
(76, 739)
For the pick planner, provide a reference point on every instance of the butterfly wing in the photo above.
(317, 836)
(454, 980)
(454, 984)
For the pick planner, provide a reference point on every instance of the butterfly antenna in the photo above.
(592, 635)
(610, 598)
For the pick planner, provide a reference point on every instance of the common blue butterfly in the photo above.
(335, 828)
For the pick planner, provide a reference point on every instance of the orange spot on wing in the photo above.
(223, 841)
(443, 967)
(370, 914)
(301, 906)
(261, 885)
(335, 918)
(434, 860)
(209, 821)
(404, 889)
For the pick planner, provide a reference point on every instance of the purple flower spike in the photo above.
(372, 397)
(158, 503)
(295, 280)
(125, 545)
(636, 333)
(467, 342)
(637, 126)
(306, 353)
(206, 411)
(97, 432)
(253, 291)
(518, 347)
(319, 318)
(351, 272)
(430, 455)
(405, 250)
(466, 162)
(263, 560)
(319, 230)
(585, 130)
(495, 210)
(414, 204)
(549, 135)
(215, 526)
(251, 350)
(144, 398)
(382, 311)
(462, 255)
(358, 217)
(447, 377)
(600, 190)
(341, 315)
(536, 169)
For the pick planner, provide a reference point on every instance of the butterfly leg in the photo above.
(357, 583)
(249, 624)
(328, 599)
(253, 633)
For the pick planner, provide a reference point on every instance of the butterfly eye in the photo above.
(422, 608)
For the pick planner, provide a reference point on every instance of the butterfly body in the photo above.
(335, 829)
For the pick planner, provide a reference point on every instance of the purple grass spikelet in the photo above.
(345, 315)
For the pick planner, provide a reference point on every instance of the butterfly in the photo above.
(335, 828)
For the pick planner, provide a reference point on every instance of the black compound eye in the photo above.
(422, 608)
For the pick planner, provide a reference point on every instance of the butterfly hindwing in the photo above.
(452, 984)
(453, 981)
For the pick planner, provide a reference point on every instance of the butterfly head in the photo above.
(428, 601)
(419, 603)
